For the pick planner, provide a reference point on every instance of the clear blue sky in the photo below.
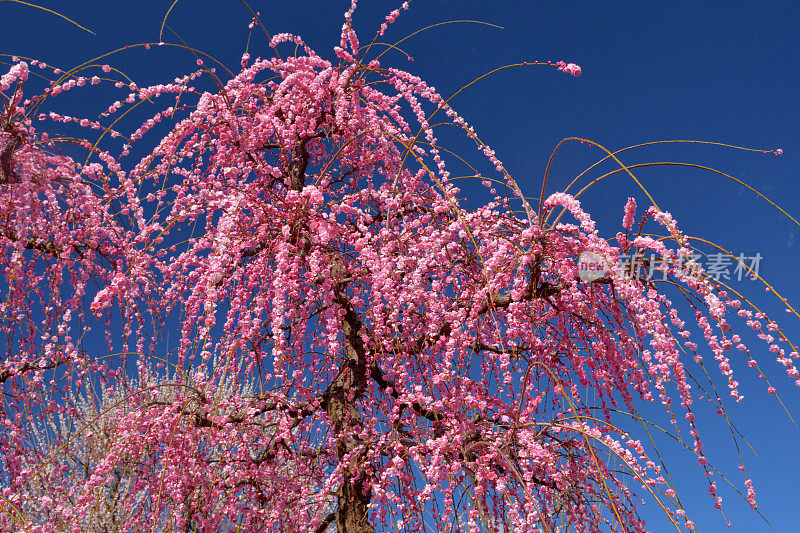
(705, 71)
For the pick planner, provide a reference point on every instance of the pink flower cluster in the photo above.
(569, 68)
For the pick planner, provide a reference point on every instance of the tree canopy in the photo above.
(284, 318)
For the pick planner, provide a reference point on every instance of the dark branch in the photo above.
(325, 523)
(7, 374)
(7, 172)
(384, 383)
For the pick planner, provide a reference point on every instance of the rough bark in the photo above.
(339, 401)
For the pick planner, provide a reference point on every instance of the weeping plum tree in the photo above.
(351, 348)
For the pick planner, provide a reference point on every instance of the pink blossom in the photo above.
(570, 68)
(630, 212)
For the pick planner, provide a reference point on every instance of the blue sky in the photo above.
(703, 71)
